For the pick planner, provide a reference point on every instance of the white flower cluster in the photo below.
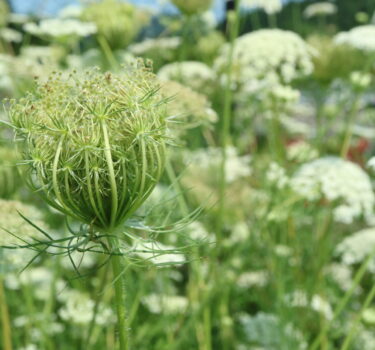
(248, 280)
(13, 226)
(269, 6)
(276, 175)
(301, 151)
(360, 80)
(357, 247)
(58, 27)
(340, 181)
(79, 309)
(236, 167)
(320, 9)
(165, 304)
(268, 54)
(361, 38)
(161, 44)
(317, 303)
(196, 75)
(371, 164)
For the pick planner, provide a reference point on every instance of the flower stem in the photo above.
(120, 303)
(5, 320)
(349, 128)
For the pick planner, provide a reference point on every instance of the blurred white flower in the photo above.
(154, 44)
(10, 35)
(58, 27)
(341, 274)
(253, 279)
(361, 38)
(301, 151)
(269, 6)
(79, 309)
(317, 303)
(320, 9)
(355, 248)
(279, 56)
(360, 80)
(165, 304)
(371, 164)
(196, 75)
(276, 175)
(339, 181)
(71, 11)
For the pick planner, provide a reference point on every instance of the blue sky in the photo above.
(50, 7)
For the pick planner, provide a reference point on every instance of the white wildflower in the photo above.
(79, 309)
(237, 167)
(276, 175)
(341, 274)
(337, 180)
(58, 27)
(272, 54)
(196, 75)
(253, 279)
(371, 164)
(320, 9)
(355, 248)
(360, 80)
(10, 35)
(165, 304)
(301, 151)
(161, 44)
(361, 38)
(316, 303)
(269, 6)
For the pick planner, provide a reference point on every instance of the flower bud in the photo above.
(94, 145)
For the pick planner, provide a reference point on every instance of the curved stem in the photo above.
(112, 178)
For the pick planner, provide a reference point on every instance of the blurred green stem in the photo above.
(348, 133)
(275, 141)
(108, 52)
(366, 304)
(343, 302)
(5, 320)
(233, 28)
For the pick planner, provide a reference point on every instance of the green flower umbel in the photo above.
(94, 145)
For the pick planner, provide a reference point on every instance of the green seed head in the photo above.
(118, 22)
(95, 144)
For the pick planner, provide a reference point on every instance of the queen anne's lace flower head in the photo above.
(95, 144)
(361, 38)
(338, 181)
(57, 27)
(355, 248)
(271, 54)
(320, 9)
(269, 6)
(196, 75)
(117, 22)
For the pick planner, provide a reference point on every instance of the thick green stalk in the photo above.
(120, 295)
